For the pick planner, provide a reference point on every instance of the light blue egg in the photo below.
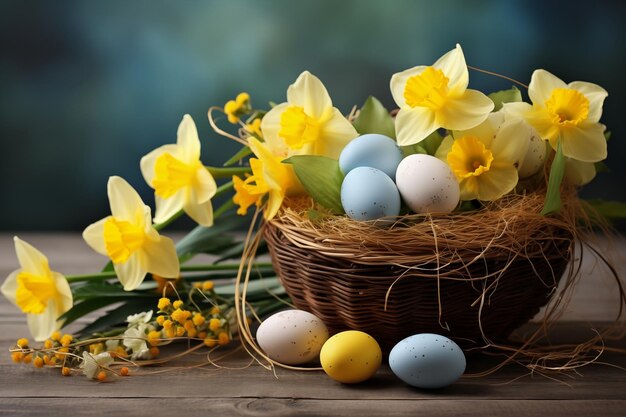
(371, 150)
(427, 360)
(368, 193)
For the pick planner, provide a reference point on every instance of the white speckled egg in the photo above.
(292, 337)
(427, 360)
(351, 357)
(371, 150)
(535, 156)
(427, 184)
(368, 193)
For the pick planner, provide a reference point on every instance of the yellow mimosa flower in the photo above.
(44, 295)
(566, 112)
(130, 240)
(437, 97)
(234, 109)
(179, 178)
(484, 159)
(270, 177)
(307, 124)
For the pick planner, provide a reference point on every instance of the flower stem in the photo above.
(227, 172)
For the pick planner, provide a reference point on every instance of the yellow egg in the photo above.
(351, 357)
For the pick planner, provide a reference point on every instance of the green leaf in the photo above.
(97, 290)
(243, 152)
(374, 118)
(611, 210)
(553, 195)
(208, 239)
(85, 307)
(505, 96)
(322, 179)
(118, 315)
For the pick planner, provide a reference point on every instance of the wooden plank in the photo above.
(278, 407)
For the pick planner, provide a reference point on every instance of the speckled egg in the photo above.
(368, 193)
(351, 357)
(427, 360)
(427, 184)
(292, 337)
(371, 150)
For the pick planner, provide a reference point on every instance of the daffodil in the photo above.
(484, 159)
(179, 179)
(307, 124)
(579, 173)
(433, 97)
(44, 295)
(130, 240)
(569, 113)
(270, 177)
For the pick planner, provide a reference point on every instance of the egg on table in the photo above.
(427, 360)
(368, 193)
(351, 357)
(371, 150)
(427, 184)
(292, 337)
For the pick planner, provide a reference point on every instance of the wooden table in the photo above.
(598, 390)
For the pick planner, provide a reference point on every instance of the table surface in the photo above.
(241, 388)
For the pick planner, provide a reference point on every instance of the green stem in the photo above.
(169, 221)
(223, 188)
(557, 170)
(183, 268)
(228, 172)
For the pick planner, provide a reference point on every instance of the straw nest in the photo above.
(473, 276)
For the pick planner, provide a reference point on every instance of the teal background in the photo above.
(88, 87)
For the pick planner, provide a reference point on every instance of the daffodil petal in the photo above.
(204, 187)
(542, 84)
(579, 173)
(309, 93)
(517, 110)
(274, 202)
(125, 202)
(30, 259)
(398, 84)
(42, 325)
(485, 131)
(270, 126)
(159, 257)
(496, 183)
(201, 213)
(453, 65)
(595, 94)
(464, 112)
(9, 287)
(584, 144)
(270, 163)
(188, 140)
(444, 148)
(94, 236)
(337, 133)
(167, 207)
(131, 273)
(511, 142)
(148, 162)
(414, 125)
(469, 188)
(65, 300)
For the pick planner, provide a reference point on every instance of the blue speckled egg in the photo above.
(371, 150)
(368, 193)
(427, 360)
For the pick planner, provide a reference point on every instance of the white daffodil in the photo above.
(179, 179)
(135, 340)
(307, 124)
(93, 364)
(139, 318)
(566, 112)
(128, 238)
(44, 295)
(433, 97)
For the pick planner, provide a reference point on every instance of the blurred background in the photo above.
(88, 88)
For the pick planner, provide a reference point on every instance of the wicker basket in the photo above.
(419, 275)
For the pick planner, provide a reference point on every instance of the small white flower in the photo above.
(112, 344)
(139, 318)
(92, 364)
(135, 340)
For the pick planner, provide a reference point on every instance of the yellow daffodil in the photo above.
(579, 173)
(269, 178)
(484, 159)
(566, 112)
(179, 178)
(44, 295)
(130, 240)
(307, 124)
(437, 97)
(234, 109)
